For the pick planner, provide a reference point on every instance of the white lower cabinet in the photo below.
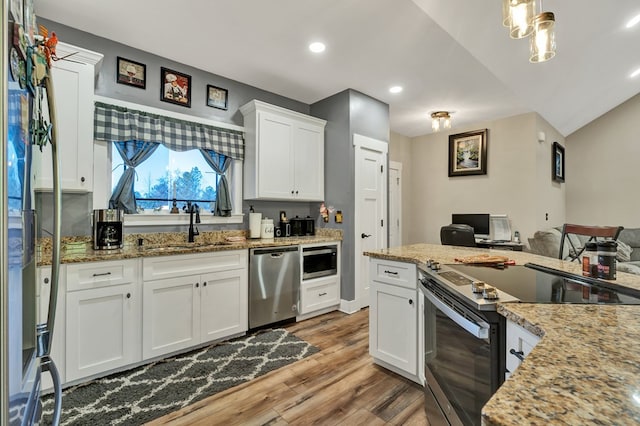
(393, 318)
(102, 317)
(184, 311)
(171, 315)
(519, 343)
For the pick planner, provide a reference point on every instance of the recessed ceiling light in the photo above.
(395, 89)
(635, 73)
(633, 21)
(317, 47)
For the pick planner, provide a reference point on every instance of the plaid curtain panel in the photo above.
(113, 123)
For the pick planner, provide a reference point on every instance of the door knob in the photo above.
(363, 235)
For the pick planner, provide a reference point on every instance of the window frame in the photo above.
(102, 177)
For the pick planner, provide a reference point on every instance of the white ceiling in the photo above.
(448, 55)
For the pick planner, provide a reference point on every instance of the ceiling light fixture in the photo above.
(440, 119)
(543, 40)
(635, 73)
(395, 89)
(521, 12)
(317, 47)
(519, 16)
(634, 21)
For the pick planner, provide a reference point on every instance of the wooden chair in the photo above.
(593, 232)
(457, 235)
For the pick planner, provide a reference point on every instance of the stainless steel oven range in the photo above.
(465, 353)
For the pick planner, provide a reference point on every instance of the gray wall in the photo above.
(347, 112)
(77, 207)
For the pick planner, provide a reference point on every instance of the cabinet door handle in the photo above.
(46, 280)
(82, 179)
(411, 301)
(363, 235)
(296, 192)
(102, 274)
(204, 284)
(128, 295)
(292, 192)
(391, 272)
(517, 354)
(322, 294)
(197, 285)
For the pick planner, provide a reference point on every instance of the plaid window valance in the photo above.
(114, 123)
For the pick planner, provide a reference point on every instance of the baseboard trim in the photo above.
(349, 306)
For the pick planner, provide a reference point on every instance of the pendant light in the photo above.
(521, 14)
(543, 40)
(506, 13)
(440, 119)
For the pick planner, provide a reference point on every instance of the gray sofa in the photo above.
(547, 243)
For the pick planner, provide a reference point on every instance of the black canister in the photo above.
(607, 259)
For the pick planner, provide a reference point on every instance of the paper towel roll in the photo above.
(254, 225)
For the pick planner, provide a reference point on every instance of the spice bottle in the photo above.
(590, 260)
(607, 259)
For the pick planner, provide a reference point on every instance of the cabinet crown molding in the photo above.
(80, 54)
(256, 105)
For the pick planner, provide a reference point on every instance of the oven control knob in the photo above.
(435, 266)
(429, 262)
(490, 293)
(478, 286)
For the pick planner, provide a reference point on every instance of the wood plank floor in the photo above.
(338, 385)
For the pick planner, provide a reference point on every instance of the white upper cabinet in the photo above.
(73, 84)
(284, 154)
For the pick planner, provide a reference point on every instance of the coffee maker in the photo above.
(107, 229)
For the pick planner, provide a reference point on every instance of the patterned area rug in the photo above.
(137, 396)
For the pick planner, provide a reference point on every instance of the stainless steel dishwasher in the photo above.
(274, 284)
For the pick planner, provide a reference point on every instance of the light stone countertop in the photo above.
(80, 249)
(585, 369)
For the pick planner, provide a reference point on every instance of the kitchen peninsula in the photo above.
(584, 370)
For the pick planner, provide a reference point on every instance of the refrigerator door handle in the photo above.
(45, 331)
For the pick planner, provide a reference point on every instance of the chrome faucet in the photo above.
(193, 209)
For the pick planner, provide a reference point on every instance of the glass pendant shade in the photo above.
(521, 12)
(506, 13)
(543, 41)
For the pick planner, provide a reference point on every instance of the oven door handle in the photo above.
(306, 252)
(479, 329)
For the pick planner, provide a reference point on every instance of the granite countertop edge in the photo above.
(584, 370)
(80, 249)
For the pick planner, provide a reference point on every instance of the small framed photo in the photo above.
(468, 153)
(557, 162)
(175, 87)
(217, 97)
(132, 73)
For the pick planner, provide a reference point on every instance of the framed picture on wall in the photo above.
(217, 97)
(468, 153)
(557, 162)
(132, 73)
(175, 87)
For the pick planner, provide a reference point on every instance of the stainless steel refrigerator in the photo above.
(25, 344)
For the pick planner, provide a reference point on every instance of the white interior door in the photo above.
(395, 204)
(370, 208)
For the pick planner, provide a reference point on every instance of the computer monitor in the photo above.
(479, 223)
